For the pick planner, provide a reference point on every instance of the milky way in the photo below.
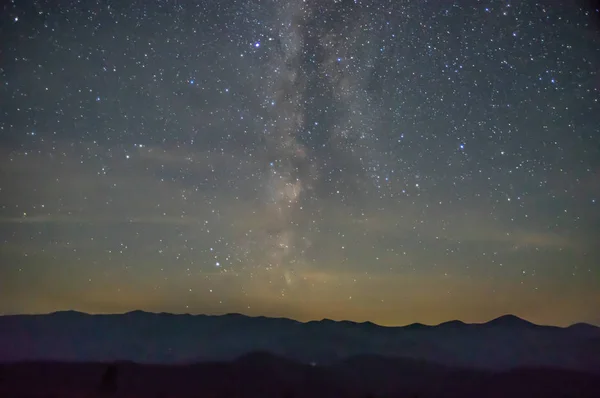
(392, 161)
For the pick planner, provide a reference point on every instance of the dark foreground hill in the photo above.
(501, 344)
(264, 375)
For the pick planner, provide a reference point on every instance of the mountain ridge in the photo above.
(503, 343)
(502, 319)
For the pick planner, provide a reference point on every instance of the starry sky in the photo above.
(391, 161)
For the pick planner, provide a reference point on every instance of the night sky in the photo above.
(390, 161)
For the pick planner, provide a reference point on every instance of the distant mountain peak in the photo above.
(453, 323)
(139, 312)
(369, 324)
(509, 320)
(327, 320)
(68, 313)
(583, 326)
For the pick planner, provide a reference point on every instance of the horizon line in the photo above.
(504, 316)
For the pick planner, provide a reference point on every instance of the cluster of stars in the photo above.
(251, 155)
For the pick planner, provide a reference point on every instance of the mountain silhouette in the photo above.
(501, 344)
(510, 321)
